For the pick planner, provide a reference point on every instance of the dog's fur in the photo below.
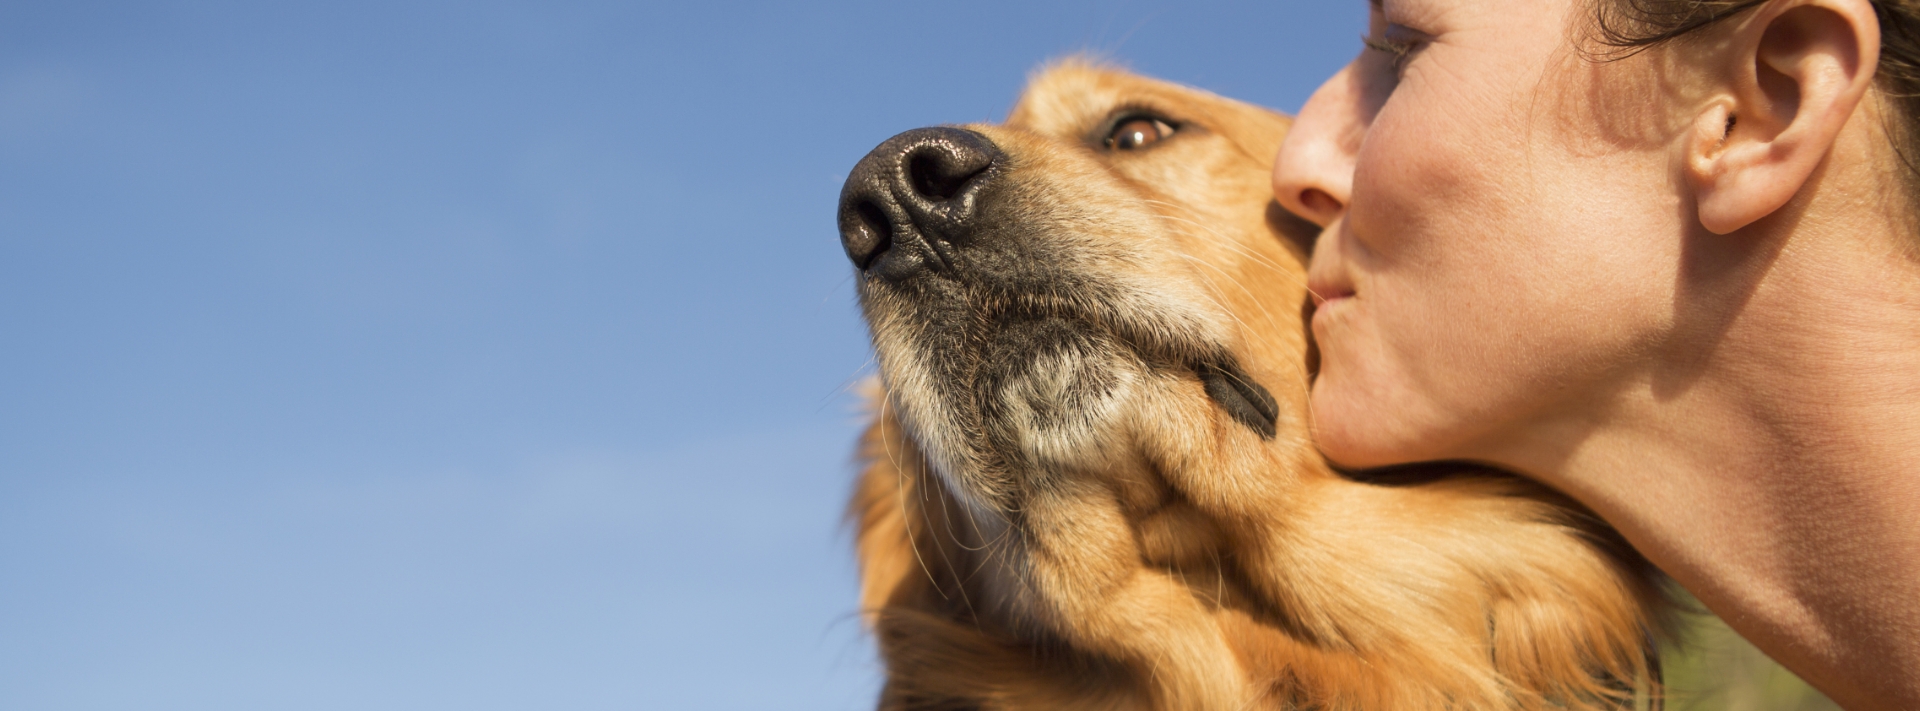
(1055, 514)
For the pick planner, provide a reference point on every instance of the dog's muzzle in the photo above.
(916, 202)
(915, 199)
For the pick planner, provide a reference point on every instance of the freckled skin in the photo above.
(1590, 273)
(1462, 320)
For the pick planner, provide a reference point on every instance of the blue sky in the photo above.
(473, 355)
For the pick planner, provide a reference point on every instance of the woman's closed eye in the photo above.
(1395, 49)
(1398, 42)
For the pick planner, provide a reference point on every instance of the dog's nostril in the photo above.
(912, 197)
(870, 235)
(936, 175)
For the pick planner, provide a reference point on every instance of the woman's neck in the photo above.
(1769, 456)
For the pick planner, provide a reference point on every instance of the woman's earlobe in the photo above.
(1719, 171)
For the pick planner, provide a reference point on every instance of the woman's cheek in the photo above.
(1412, 366)
(1366, 410)
(1408, 369)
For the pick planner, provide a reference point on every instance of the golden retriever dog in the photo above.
(1090, 481)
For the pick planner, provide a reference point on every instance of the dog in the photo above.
(1090, 482)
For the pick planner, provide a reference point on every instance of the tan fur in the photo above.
(1159, 555)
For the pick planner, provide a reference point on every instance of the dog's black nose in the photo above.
(913, 198)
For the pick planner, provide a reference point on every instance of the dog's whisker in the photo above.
(1230, 242)
(1299, 368)
(975, 523)
(1221, 304)
(824, 298)
(900, 489)
(946, 520)
(1245, 331)
(851, 382)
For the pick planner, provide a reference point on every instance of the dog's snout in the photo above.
(913, 198)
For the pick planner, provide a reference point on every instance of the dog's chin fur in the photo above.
(1061, 511)
(1041, 396)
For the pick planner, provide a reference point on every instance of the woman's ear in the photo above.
(1794, 73)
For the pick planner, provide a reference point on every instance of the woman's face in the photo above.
(1503, 224)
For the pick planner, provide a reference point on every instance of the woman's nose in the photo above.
(1313, 175)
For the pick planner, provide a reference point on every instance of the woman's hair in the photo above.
(1626, 27)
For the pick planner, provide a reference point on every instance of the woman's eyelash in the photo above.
(1398, 50)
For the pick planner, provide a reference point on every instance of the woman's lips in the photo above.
(1327, 300)
(1327, 293)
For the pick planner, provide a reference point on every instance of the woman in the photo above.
(1677, 278)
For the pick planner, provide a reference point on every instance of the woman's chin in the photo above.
(1359, 422)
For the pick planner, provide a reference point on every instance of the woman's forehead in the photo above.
(1544, 14)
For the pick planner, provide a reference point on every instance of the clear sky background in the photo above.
(473, 355)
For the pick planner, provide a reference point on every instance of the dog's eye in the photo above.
(1137, 132)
